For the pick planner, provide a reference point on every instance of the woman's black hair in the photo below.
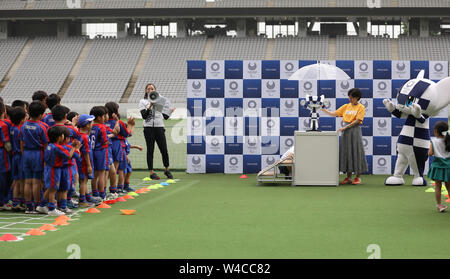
(440, 127)
(355, 93)
(146, 94)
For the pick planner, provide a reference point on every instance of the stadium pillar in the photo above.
(121, 32)
(414, 27)
(62, 29)
(241, 28)
(182, 31)
(302, 28)
(362, 27)
(3, 29)
(424, 28)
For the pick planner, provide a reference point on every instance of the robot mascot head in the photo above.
(421, 96)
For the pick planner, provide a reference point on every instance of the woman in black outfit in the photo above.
(154, 129)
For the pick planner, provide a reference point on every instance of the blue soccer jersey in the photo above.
(34, 135)
(16, 160)
(48, 119)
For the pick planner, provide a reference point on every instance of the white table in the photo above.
(316, 158)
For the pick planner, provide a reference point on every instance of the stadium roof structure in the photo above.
(224, 12)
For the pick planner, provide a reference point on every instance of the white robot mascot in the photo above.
(313, 104)
(418, 100)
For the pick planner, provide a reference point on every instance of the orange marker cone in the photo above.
(146, 190)
(120, 199)
(141, 191)
(60, 222)
(63, 217)
(447, 196)
(47, 227)
(110, 201)
(128, 197)
(35, 232)
(8, 237)
(92, 210)
(243, 176)
(103, 205)
(128, 211)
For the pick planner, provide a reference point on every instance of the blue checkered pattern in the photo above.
(242, 114)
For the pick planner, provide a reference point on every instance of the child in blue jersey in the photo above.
(118, 142)
(18, 118)
(100, 142)
(51, 101)
(128, 169)
(5, 163)
(111, 171)
(68, 173)
(33, 141)
(60, 113)
(85, 168)
(56, 156)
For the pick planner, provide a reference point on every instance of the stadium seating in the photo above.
(433, 48)
(46, 67)
(370, 48)
(314, 47)
(239, 48)
(166, 67)
(106, 70)
(10, 49)
(12, 5)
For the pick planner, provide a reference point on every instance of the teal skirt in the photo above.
(439, 170)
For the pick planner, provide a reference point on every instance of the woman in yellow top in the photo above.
(351, 149)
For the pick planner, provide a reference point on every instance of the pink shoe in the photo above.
(441, 208)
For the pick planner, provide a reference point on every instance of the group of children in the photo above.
(44, 155)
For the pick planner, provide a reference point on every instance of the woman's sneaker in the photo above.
(154, 176)
(168, 174)
(356, 181)
(441, 208)
(346, 181)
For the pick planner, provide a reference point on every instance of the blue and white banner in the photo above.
(242, 114)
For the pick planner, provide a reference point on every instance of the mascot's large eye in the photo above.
(410, 100)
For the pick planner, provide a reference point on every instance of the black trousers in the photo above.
(152, 135)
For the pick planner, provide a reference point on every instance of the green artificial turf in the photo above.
(223, 216)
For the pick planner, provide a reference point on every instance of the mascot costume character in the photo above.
(418, 100)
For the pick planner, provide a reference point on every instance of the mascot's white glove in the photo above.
(416, 111)
(390, 106)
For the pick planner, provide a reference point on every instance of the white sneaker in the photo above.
(31, 212)
(66, 210)
(42, 209)
(55, 212)
(110, 196)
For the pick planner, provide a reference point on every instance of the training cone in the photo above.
(243, 176)
(447, 200)
(60, 222)
(128, 211)
(140, 191)
(134, 194)
(153, 187)
(92, 210)
(120, 199)
(429, 190)
(171, 181)
(63, 217)
(128, 197)
(145, 190)
(164, 184)
(8, 237)
(35, 232)
(103, 205)
(110, 201)
(146, 179)
(47, 227)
